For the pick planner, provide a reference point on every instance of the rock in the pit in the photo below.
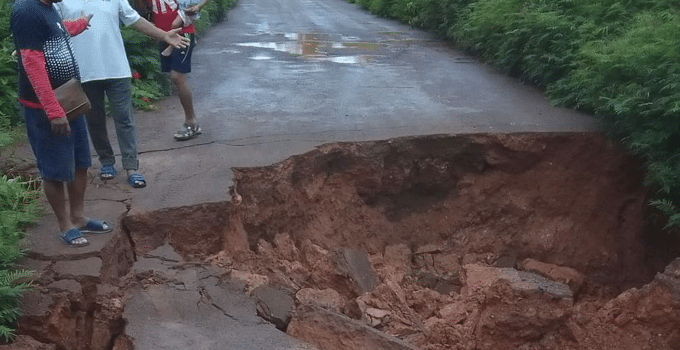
(355, 265)
(329, 330)
(274, 305)
(566, 275)
(327, 298)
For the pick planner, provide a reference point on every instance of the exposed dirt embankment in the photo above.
(521, 241)
(438, 216)
(570, 199)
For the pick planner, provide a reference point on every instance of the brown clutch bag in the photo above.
(72, 99)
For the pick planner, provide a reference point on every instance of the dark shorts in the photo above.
(58, 156)
(179, 60)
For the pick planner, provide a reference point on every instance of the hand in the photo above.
(192, 9)
(87, 18)
(60, 126)
(177, 41)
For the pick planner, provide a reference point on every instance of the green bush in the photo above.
(18, 209)
(148, 83)
(532, 40)
(633, 82)
(213, 12)
(9, 109)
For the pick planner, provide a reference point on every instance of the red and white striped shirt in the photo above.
(164, 12)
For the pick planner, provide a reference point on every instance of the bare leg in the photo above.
(76, 197)
(185, 96)
(56, 196)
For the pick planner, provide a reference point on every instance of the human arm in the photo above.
(31, 31)
(171, 37)
(196, 8)
(33, 62)
(130, 17)
(78, 25)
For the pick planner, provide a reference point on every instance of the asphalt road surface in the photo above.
(282, 76)
(310, 68)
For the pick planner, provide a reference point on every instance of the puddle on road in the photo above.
(318, 47)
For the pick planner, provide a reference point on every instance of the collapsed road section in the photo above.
(487, 241)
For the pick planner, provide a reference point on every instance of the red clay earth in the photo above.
(516, 241)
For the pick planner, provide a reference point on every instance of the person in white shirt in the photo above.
(105, 70)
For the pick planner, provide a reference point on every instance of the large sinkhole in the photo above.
(503, 241)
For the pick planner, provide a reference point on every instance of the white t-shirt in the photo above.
(99, 50)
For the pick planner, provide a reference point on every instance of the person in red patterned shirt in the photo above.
(178, 63)
(61, 147)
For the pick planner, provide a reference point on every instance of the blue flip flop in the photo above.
(107, 172)
(95, 226)
(73, 238)
(137, 180)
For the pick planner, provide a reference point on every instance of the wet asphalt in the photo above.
(278, 78)
(282, 76)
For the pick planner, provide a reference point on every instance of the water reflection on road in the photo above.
(319, 47)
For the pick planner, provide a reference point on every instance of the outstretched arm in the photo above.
(197, 7)
(78, 25)
(171, 37)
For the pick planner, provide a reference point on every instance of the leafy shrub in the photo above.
(148, 83)
(9, 111)
(532, 40)
(12, 286)
(144, 91)
(633, 82)
(214, 11)
(439, 16)
(18, 209)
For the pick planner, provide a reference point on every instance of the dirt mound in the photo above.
(522, 241)
(567, 199)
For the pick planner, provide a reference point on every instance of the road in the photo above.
(282, 76)
(316, 69)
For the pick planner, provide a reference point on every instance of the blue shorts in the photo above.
(180, 59)
(58, 156)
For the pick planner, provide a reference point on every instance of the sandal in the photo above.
(95, 226)
(73, 238)
(107, 172)
(187, 131)
(137, 180)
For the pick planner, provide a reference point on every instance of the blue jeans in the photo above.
(58, 156)
(119, 94)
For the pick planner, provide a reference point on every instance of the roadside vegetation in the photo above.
(18, 209)
(19, 197)
(616, 59)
